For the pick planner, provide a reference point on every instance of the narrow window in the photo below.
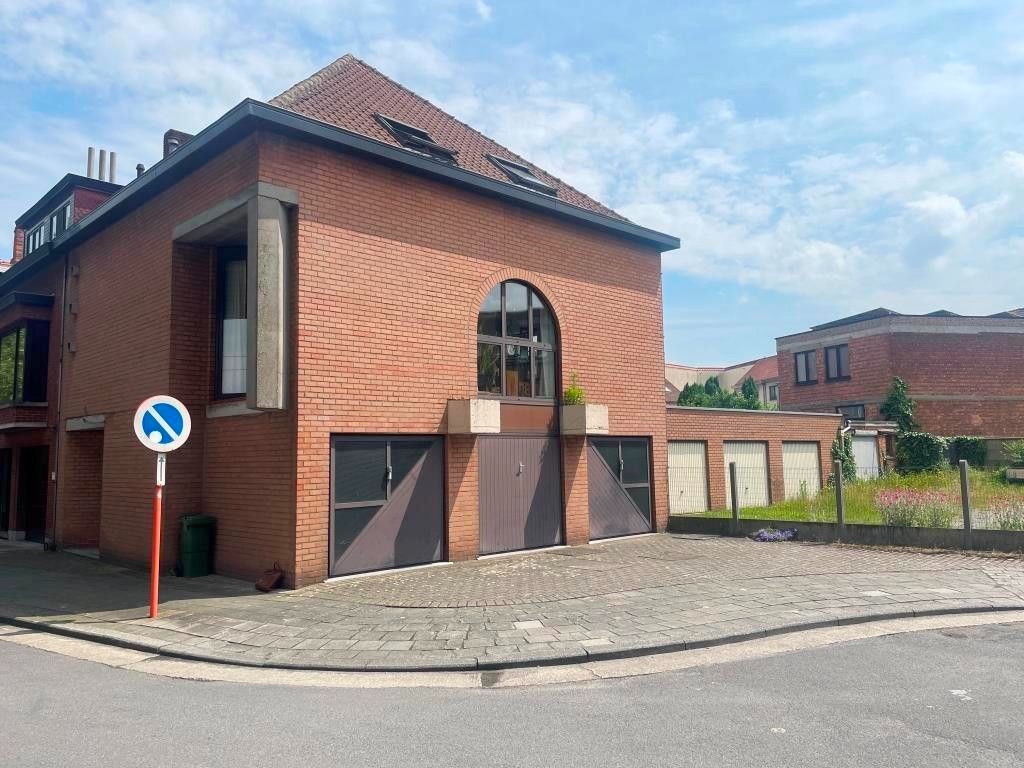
(773, 393)
(232, 335)
(852, 411)
(23, 362)
(837, 362)
(806, 367)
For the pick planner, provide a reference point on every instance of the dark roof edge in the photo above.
(249, 114)
(70, 180)
(27, 299)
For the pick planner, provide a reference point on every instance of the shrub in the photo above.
(711, 395)
(899, 407)
(1008, 514)
(972, 449)
(919, 452)
(574, 394)
(903, 507)
(842, 451)
(1015, 450)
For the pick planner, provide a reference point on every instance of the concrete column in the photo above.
(267, 269)
(576, 490)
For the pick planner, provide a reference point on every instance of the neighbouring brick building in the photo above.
(963, 372)
(370, 310)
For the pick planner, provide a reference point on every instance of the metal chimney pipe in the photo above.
(113, 167)
(139, 170)
(90, 162)
(103, 165)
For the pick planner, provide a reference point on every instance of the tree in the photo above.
(749, 391)
(711, 395)
(842, 451)
(899, 407)
(712, 387)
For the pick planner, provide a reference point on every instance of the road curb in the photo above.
(497, 665)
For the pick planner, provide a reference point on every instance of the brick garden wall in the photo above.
(714, 426)
(392, 271)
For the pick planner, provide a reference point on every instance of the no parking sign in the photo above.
(162, 424)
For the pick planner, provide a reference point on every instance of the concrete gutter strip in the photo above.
(521, 660)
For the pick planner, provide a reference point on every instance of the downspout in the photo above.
(52, 544)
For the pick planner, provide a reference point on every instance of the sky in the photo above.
(817, 158)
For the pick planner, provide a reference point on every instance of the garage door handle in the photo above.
(521, 468)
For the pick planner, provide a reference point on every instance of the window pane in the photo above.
(609, 451)
(517, 371)
(543, 327)
(19, 366)
(517, 314)
(543, 373)
(634, 461)
(348, 523)
(360, 468)
(844, 360)
(801, 368)
(488, 322)
(404, 455)
(642, 498)
(488, 368)
(7, 355)
(233, 328)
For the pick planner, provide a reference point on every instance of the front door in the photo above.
(387, 503)
(520, 493)
(33, 470)
(619, 480)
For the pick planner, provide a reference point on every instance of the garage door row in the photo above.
(688, 473)
(388, 497)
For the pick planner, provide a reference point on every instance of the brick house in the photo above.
(370, 310)
(963, 372)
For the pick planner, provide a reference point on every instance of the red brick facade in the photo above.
(963, 372)
(713, 427)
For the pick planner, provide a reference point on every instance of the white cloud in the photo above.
(483, 10)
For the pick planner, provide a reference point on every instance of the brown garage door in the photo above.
(520, 493)
(619, 480)
(388, 503)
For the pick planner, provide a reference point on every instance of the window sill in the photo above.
(832, 379)
(230, 408)
(806, 383)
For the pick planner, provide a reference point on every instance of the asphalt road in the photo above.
(944, 698)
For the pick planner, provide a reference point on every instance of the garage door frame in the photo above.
(706, 477)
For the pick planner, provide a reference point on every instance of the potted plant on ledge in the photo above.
(580, 417)
(1015, 450)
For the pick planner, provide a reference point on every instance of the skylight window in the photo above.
(521, 175)
(411, 137)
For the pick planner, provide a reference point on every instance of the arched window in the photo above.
(515, 345)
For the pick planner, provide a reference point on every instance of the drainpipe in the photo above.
(60, 399)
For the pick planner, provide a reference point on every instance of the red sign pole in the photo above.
(154, 554)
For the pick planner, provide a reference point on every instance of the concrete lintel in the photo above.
(85, 423)
(267, 272)
(22, 425)
(193, 229)
(233, 408)
(477, 416)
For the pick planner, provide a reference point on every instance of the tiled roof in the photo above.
(349, 93)
(765, 369)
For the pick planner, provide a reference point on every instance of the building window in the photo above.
(773, 393)
(516, 346)
(852, 411)
(521, 175)
(35, 238)
(806, 367)
(231, 322)
(417, 139)
(23, 363)
(837, 362)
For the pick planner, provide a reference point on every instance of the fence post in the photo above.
(837, 473)
(965, 503)
(734, 526)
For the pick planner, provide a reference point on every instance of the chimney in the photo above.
(173, 140)
(113, 167)
(103, 165)
(139, 170)
(90, 162)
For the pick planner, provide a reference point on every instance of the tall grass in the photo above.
(927, 498)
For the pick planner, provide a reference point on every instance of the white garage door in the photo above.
(751, 473)
(801, 469)
(687, 478)
(865, 454)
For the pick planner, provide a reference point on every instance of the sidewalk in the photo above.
(629, 597)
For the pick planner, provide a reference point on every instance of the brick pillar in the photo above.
(716, 474)
(776, 478)
(19, 245)
(463, 502)
(575, 490)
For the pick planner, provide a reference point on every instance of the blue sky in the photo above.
(817, 158)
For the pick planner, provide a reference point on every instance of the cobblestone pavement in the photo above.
(640, 595)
